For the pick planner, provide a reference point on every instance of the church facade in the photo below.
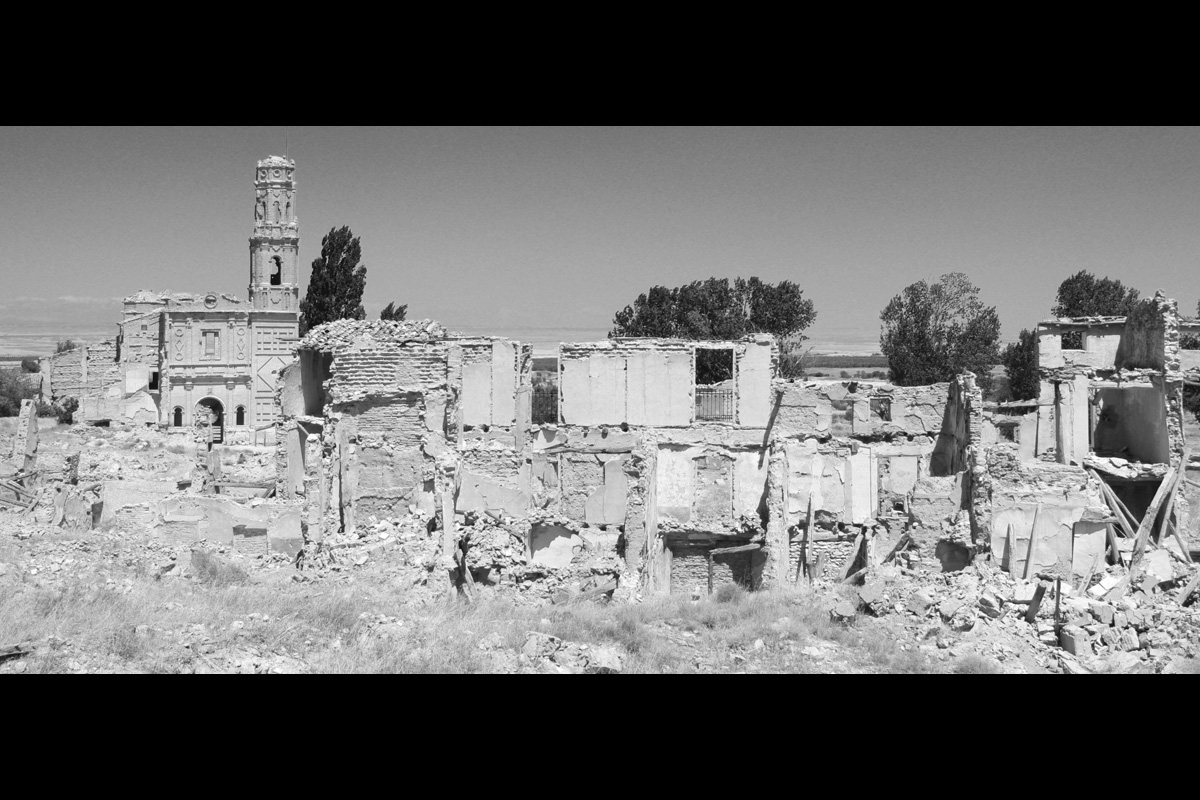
(210, 359)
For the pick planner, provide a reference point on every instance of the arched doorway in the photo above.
(210, 408)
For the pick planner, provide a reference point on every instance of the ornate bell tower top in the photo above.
(275, 243)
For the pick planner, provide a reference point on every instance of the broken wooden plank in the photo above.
(1087, 581)
(13, 651)
(1124, 518)
(1186, 592)
(1165, 489)
(1112, 543)
(1187, 556)
(805, 555)
(741, 548)
(853, 557)
(1010, 550)
(1035, 603)
(818, 568)
(708, 556)
(1032, 541)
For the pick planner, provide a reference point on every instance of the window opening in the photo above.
(714, 383)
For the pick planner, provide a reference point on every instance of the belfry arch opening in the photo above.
(276, 270)
(211, 408)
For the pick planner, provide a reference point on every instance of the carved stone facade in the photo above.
(181, 358)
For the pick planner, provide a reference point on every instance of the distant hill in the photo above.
(545, 364)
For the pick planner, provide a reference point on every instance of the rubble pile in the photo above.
(1045, 624)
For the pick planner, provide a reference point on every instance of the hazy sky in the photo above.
(543, 233)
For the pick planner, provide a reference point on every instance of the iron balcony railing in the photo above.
(714, 404)
(545, 405)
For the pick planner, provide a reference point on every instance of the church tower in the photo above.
(274, 247)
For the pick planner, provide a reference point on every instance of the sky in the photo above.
(542, 234)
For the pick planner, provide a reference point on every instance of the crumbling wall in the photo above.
(1101, 339)
(1143, 340)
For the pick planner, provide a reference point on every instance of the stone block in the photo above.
(1103, 613)
(1075, 640)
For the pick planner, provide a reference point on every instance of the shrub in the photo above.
(972, 664)
(30, 365)
(729, 593)
(65, 345)
(210, 569)
(67, 409)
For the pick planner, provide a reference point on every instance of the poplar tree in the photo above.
(336, 287)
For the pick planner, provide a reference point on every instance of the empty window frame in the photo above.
(714, 383)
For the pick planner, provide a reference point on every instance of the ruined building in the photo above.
(209, 357)
(644, 480)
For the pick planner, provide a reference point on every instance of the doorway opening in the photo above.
(210, 408)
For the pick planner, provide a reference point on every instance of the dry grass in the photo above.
(211, 569)
(146, 628)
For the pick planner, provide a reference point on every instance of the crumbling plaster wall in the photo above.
(104, 387)
(1102, 338)
(651, 382)
(1063, 500)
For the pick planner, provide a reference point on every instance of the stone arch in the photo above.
(214, 410)
(239, 415)
(177, 417)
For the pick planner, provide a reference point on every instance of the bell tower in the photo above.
(274, 246)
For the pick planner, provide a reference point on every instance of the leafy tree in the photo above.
(14, 387)
(335, 289)
(30, 365)
(64, 345)
(394, 312)
(1020, 361)
(717, 309)
(931, 333)
(1084, 295)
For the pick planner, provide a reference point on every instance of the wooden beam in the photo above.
(1192, 586)
(1087, 581)
(1124, 517)
(1010, 546)
(854, 551)
(741, 548)
(1112, 542)
(1187, 556)
(1035, 604)
(1165, 489)
(1032, 540)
